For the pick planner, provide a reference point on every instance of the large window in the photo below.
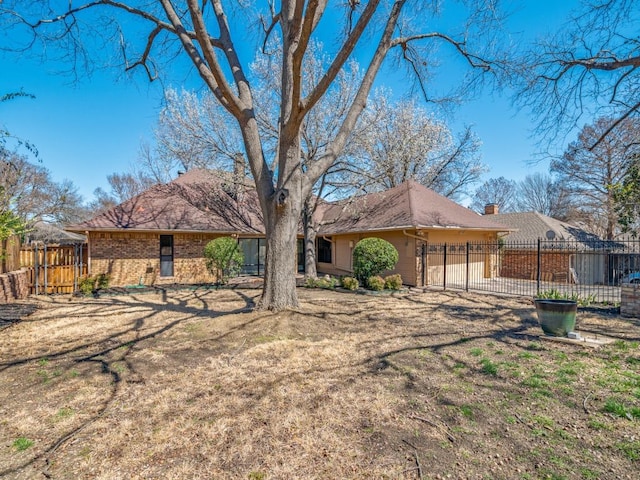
(166, 255)
(324, 250)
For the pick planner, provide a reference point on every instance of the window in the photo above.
(324, 250)
(166, 255)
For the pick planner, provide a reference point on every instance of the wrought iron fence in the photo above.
(591, 270)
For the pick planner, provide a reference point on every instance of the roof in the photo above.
(197, 201)
(531, 226)
(51, 234)
(407, 206)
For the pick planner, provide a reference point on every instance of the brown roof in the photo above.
(409, 205)
(203, 201)
(197, 201)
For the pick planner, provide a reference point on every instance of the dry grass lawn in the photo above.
(195, 384)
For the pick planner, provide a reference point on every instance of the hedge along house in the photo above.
(419, 223)
(158, 237)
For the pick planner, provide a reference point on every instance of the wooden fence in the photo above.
(54, 269)
(10, 254)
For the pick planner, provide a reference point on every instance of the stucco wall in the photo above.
(13, 286)
(134, 258)
(342, 255)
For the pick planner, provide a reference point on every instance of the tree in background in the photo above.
(28, 191)
(499, 191)
(589, 69)
(540, 192)
(123, 187)
(627, 199)
(596, 161)
(401, 141)
(203, 34)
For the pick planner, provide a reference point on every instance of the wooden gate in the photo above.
(54, 269)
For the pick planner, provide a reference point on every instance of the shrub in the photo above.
(90, 284)
(224, 258)
(393, 282)
(372, 256)
(350, 283)
(376, 283)
(324, 282)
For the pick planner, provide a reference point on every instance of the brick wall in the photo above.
(134, 258)
(13, 286)
(630, 300)
(554, 266)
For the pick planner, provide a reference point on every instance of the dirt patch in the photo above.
(195, 384)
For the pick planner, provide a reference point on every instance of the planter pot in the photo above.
(556, 317)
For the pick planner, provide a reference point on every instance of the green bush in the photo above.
(324, 282)
(372, 256)
(393, 282)
(90, 284)
(224, 258)
(375, 283)
(350, 283)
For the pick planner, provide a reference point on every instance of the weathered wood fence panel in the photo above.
(54, 269)
(10, 254)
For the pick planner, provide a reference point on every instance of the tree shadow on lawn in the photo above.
(101, 354)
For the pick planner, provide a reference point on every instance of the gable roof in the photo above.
(407, 206)
(51, 234)
(197, 201)
(531, 226)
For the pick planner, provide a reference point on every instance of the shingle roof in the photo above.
(409, 205)
(197, 201)
(533, 225)
(51, 234)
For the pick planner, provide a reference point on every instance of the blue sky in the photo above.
(89, 129)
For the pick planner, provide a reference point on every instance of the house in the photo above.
(417, 221)
(159, 236)
(567, 253)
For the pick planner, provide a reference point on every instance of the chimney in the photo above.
(491, 209)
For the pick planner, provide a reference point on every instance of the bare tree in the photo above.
(123, 187)
(499, 191)
(207, 33)
(587, 70)
(402, 141)
(593, 164)
(540, 192)
(28, 191)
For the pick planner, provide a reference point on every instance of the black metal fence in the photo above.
(591, 271)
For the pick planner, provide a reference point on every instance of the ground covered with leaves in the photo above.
(196, 384)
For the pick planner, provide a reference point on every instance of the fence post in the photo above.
(539, 268)
(444, 268)
(466, 286)
(424, 264)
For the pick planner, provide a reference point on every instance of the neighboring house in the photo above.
(567, 252)
(48, 234)
(159, 236)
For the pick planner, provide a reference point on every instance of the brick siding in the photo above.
(630, 300)
(554, 266)
(134, 258)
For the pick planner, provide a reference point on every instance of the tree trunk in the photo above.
(279, 289)
(310, 230)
